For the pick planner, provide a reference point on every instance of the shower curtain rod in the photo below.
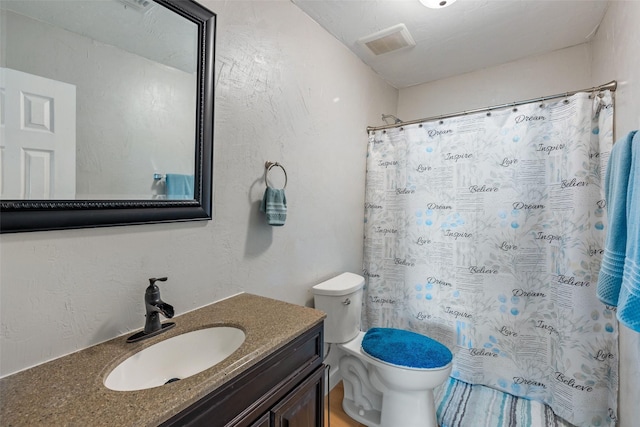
(612, 85)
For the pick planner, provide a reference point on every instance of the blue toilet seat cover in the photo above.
(405, 348)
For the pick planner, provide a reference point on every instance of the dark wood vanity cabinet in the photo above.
(286, 389)
(303, 406)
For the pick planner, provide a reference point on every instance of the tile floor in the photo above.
(338, 417)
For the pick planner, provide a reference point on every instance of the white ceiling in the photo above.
(465, 36)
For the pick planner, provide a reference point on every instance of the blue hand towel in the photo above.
(179, 186)
(274, 205)
(629, 301)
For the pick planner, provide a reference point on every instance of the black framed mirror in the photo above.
(129, 158)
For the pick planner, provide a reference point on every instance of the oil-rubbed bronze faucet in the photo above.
(154, 307)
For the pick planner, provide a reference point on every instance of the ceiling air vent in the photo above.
(388, 40)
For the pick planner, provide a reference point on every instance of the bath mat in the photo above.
(460, 404)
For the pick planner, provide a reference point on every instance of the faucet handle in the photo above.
(153, 280)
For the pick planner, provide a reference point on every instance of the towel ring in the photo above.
(268, 165)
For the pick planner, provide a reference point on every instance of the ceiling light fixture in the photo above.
(437, 4)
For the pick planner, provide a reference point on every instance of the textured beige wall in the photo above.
(556, 72)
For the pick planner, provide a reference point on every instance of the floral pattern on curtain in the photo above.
(486, 232)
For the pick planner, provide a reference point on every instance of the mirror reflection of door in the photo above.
(38, 144)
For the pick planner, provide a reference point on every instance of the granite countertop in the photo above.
(69, 391)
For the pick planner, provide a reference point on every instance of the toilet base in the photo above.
(403, 410)
(370, 418)
(408, 410)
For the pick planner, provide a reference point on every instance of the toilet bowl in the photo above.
(384, 386)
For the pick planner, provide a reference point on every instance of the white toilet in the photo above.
(390, 382)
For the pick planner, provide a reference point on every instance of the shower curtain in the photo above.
(486, 232)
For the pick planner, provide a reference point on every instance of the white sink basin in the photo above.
(178, 357)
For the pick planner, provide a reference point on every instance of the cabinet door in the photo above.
(264, 421)
(304, 406)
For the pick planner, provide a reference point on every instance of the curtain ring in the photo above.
(268, 165)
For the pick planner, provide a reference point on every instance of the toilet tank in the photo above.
(341, 298)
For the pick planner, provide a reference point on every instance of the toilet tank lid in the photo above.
(344, 284)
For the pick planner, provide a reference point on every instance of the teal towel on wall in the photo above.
(274, 205)
(179, 186)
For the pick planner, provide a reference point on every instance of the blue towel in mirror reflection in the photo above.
(179, 186)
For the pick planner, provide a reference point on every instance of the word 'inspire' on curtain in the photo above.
(486, 232)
